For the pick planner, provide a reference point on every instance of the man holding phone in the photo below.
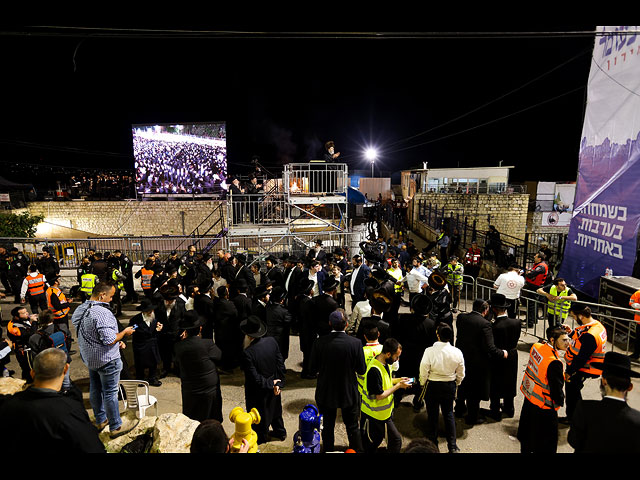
(377, 400)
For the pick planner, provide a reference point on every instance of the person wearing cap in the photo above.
(18, 270)
(610, 425)
(542, 386)
(442, 370)
(584, 355)
(173, 261)
(168, 312)
(416, 331)
(278, 320)
(196, 359)
(337, 359)
(146, 353)
(504, 371)
(264, 379)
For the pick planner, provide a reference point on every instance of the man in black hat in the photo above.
(355, 281)
(475, 340)
(441, 300)
(273, 272)
(416, 332)
(227, 333)
(278, 320)
(324, 304)
(308, 328)
(196, 360)
(264, 374)
(259, 302)
(504, 371)
(242, 271)
(610, 425)
(168, 312)
(146, 353)
(237, 199)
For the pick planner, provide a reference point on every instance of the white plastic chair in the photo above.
(133, 401)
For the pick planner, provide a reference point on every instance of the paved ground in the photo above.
(491, 437)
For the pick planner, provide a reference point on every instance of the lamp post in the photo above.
(371, 155)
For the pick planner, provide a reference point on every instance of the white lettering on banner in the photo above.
(600, 245)
(609, 230)
(612, 212)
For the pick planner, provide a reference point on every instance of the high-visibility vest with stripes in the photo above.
(57, 314)
(36, 284)
(454, 274)
(635, 298)
(88, 282)
(597, 330)
(559, 307)
(146, 278)
(397, 274)
(115, 278)
(370, 352)
(378, 409)
(540, 278)
(535, 384)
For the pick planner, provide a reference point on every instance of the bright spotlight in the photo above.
(371, 154)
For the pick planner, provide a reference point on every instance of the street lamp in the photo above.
(371, 155)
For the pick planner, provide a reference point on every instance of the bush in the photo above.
(23, 225)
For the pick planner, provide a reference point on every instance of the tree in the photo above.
(20, 226)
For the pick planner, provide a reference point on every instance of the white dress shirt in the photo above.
(442, 362)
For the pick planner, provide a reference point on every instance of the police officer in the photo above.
(4, 269)
(47, 264)
(454, 272)
(18, 269)
(88, 281)
(584, 355)
(117, 278)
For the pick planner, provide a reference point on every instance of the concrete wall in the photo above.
(124, 217)
(508, 212)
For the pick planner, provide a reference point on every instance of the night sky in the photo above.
(72, 99)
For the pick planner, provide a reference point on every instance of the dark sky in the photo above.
(72, 99)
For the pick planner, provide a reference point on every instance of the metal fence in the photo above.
(315, 178)
(258, 210)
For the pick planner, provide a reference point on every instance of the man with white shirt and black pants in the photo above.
(415, 279)
(510, 284)
(442, 371)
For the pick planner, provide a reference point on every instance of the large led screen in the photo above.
(180, 159)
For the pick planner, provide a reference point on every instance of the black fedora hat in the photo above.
(277, 294)
(498, 300)
(306, 285)
(271, 259)
(380, 300)
(437, 281)
(191, 319)
(253, 327)
(421, 304)
(146, 305)
(169, 292)
(260, 291)
(330, 284)
(370, 282)
(381, 274)
(616, 364)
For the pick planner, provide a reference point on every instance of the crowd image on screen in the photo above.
(167, 162)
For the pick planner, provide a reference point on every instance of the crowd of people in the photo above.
(185, 166)
(202, 316)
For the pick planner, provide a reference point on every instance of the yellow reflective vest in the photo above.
(378, 409)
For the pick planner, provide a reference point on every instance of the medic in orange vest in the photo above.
(587, 349)
(634, 302)
(542, 386)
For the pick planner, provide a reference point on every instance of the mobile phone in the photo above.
(411, 380)
(134, 326)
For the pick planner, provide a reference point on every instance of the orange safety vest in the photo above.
(146, 278)
(57, 314)
(597, 330)
(35, 284)
(539, 279)
(635, 298)
(535, 386)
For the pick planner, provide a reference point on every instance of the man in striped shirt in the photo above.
(100, 343)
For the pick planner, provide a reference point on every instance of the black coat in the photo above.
(243, 306)
(196, 359)
(278, 321)
(145, 342)
(307, 324)
(606, 426)
(504, 372)
(337, 358)
(415, 333)
(204, 306)
(262, 363)
(383, 328)
(475, 340)
(323, 305)
(275, 276)
(170, 325)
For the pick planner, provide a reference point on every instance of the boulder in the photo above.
(173, 433)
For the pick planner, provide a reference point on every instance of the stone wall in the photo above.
(121, 218)
(508, 212)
